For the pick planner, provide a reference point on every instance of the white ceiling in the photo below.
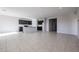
(35, 12)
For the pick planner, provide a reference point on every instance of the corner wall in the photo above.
(8, 24)
(67, 24)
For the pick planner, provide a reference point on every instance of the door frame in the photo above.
(56, 23)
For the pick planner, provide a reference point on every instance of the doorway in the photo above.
(53, 25)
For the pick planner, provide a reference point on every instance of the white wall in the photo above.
(34, 22)
(8, 24)
(46, 25)
(67, 24)
(78, 22)
(78, 28)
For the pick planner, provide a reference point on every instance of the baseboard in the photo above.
(67, 33)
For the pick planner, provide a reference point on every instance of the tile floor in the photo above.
(39, 42)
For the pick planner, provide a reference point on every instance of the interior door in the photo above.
(53, 25)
